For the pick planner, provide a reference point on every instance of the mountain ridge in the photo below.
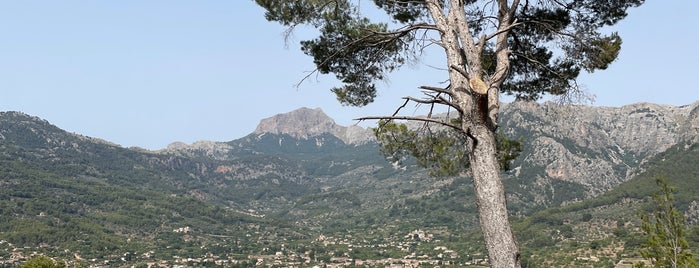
(301, 185)
(597, 147)
(592, 146)
(304, 123)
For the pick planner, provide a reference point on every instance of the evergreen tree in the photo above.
(665, 228)
(517, 47)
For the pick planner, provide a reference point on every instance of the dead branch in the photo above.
(437, 89)
(410, 118)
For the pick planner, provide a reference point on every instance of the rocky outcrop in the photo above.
(637, 128)
(594, 147)
(302, 123)
(305, 123)
(597, 147)
(692, 213)
(571, 151)
(690, 126)
(211, 149)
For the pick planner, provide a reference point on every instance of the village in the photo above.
(283, 257)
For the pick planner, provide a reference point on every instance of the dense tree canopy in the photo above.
(549, 42)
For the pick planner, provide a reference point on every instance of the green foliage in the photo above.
(350, 46)
(574, 25)
(677, 164)
(42, 262)
(451, 207)
(665, 228)
(403, 11)
(360, 52)
(357, 55)
(620, 205)
(443, 151)
(508, 149)
(602, 52)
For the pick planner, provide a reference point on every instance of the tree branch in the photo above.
(383, 39)
(514, 24)
(546, 67)
(460, 70)
(437, 89)
(502, 52)
(408, 28)
(410, 118)
(457, 16)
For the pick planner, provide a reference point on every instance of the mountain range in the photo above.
(297, 177)
(583, 148)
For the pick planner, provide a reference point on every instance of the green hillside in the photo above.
(79, 198)
(608, 226)
(92, 216)
(273, 198)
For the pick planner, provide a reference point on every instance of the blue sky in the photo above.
(148, 73)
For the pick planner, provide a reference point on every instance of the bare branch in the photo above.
(401, 107)
(410, 118)
(513, 8)
(437, 89)
(461, 70)
(435, 100)
(577, 94)
(506, 29)
(408, 28)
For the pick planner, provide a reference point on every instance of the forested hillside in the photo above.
(608, 226)
(329, 196)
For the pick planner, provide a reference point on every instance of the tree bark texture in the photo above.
(479, 118)
(490, 197)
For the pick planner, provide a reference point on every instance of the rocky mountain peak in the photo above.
(305, 123)
(300, 123)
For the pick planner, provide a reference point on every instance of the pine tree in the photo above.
(665, 227)
(491, 47)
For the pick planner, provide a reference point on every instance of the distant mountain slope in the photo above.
(70, 195)
(306, 123)
(594, 147)
(300, 175)
(608, 225)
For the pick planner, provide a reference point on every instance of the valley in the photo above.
(301, 191)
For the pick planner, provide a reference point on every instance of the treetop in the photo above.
(549, 42)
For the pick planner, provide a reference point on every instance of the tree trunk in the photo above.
(479, 118)
(490, 198)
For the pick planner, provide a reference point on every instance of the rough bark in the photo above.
(479, 114)
(490, 197)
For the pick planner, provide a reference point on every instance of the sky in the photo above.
(149, 73)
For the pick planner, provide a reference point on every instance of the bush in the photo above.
(42, 262)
